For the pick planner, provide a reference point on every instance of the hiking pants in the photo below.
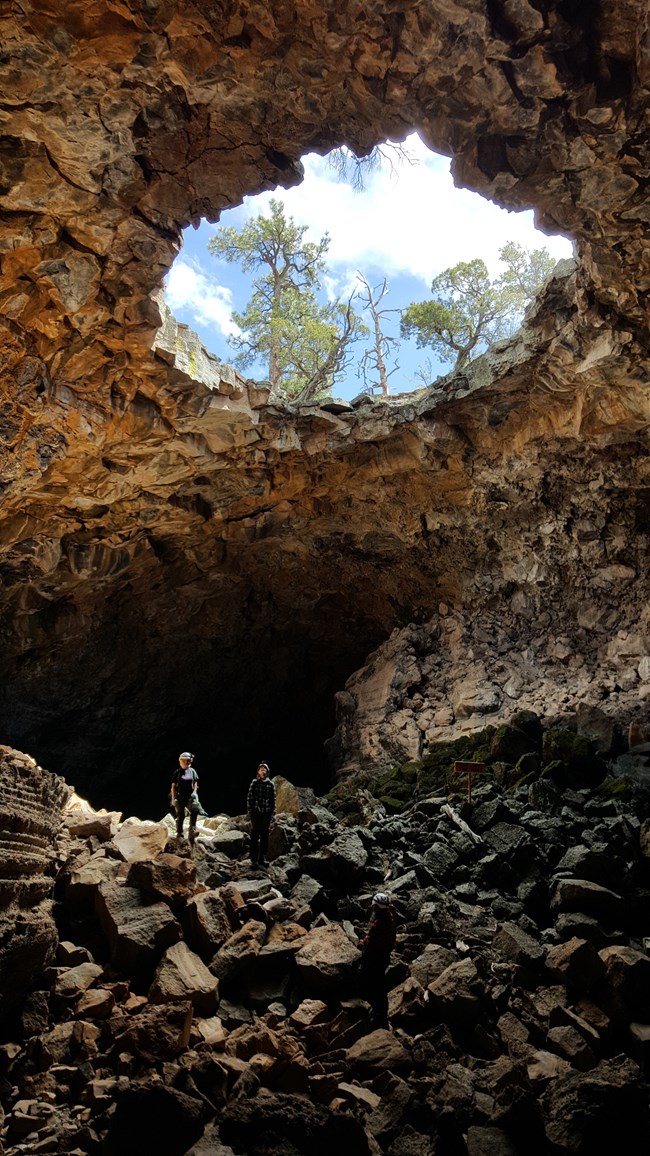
(181, 806)
(374, 988)
(259, 836)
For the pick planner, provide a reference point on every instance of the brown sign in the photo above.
(469, 769)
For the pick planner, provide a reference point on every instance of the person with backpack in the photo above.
(260, 803)
(376, 947)
(185, 785)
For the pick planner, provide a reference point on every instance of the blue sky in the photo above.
(407, 225)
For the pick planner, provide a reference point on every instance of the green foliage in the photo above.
(526, 272)
(306, 344)
(468, 311)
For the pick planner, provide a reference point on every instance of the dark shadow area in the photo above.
(227, 752)
(120, 755)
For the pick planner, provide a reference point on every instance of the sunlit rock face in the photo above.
(181, 557)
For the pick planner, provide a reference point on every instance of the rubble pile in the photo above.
(198, 1005)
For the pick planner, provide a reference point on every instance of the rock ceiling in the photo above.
(177, 554)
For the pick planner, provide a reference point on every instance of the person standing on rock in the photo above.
(261, 809)
(376, 947)
(185, 784)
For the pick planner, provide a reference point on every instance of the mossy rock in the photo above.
(392, 805)
(509, 744)
(526, 769)
(613, 788)
(435, 775)
(583, 767)
(554, 772)
(531, 725)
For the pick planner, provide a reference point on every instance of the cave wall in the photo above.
(175, 550)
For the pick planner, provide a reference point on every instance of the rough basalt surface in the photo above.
(31, 811)
(518, 990)
(170, 540)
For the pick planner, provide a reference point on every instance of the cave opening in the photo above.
(377, 214)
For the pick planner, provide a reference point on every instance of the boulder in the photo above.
(283, 835)
(206, 923)
(431, 963)
(572, 1046)
(325, 959)
(396, 1099)
(513, 841)
(95, 1005)
(572, 759)
(358, 1096)
(378, 1051)
(406, 1004)
(171, 878)
(154, 1118)
(455, 995)
(135, 840)
(585, 1112)
(308, 1013)
(514, 944)
(575, 963)
(510, 741)
(70, 954)
(137, 932)
(339, 862)
(212, 1032)
(156, 1033)
(73, 981)
(290, 799)
(35, 1014)
(595, 725)
(582, 862)
(489, 1142)
(84, 879)
(239, 951)
(628, 979)
(75, 1041)
(291, 1124)
(582, 895)
(102, 824)
(180, 976)
(306, 891)
(230, 842)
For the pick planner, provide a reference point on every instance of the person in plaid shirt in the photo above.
(261, 809)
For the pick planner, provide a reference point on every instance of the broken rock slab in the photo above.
(137, 932)
(378, 1051)
(136, 841)
(157, 1032)
(325, 959)
(206, 922)
(182, 975)
(239, 951)
(171, 878)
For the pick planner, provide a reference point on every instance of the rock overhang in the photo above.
(169, 545)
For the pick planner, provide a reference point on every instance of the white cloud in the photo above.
(207, 302)
(413, 221)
